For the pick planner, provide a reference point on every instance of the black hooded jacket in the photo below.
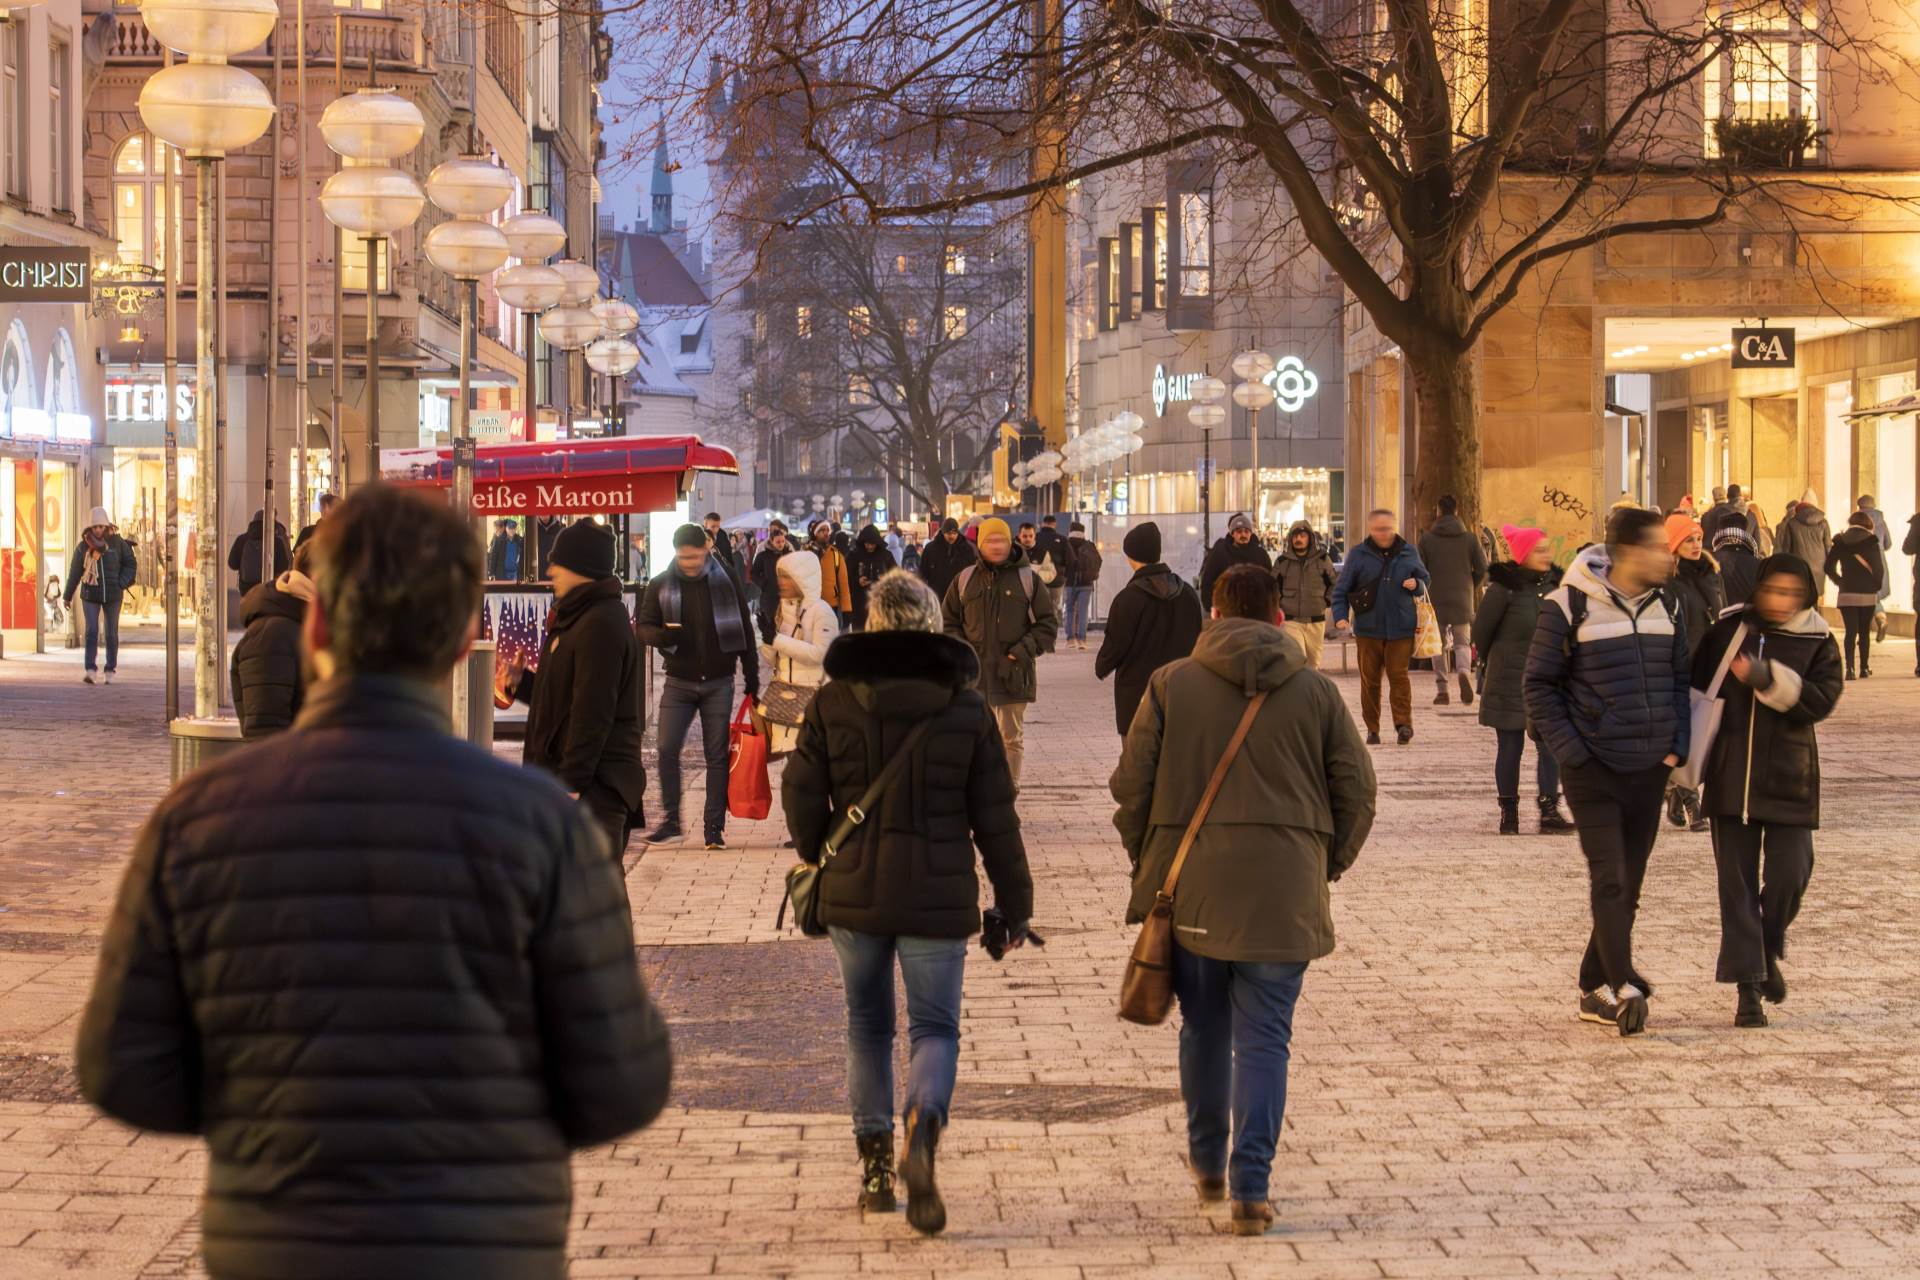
(941, 561)
(909, 868)
(1154, 620)
(244, 556)
(268, 684)
(1225, 554)
(869, 560)
(584, 721)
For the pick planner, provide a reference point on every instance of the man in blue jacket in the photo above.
(1606, 688)
(1374, 600)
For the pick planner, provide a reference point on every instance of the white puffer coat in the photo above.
(802, 630)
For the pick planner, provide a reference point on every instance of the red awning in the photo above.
(568, 477)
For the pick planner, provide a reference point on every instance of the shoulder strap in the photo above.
(1213, 789)
(1026, 582)
(1726, 660)
(966, 576)
(855, 814)
(1576, 614)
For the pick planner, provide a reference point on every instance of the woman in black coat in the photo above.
(903, 882)
(1762, 777)
(269, 680)
(1858, 568)
(1502, 632)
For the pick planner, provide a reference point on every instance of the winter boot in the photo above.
(1440, 693)
(1466, 691)
(1509, 815)
(1849, 669)
(1696, 821)
(1552, 821)
(1750, 1012)
(876, 1173)
(1676, 806)
(926, 1213)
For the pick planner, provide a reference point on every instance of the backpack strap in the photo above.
(1576, 614)
(1027, 577)
(966, 576)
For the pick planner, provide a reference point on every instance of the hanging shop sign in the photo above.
(38, 274)
(1762, 349)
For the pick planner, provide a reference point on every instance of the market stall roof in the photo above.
(754, 519)
(1908, 403)
(568, 477)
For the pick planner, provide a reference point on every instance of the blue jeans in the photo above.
(1506, 765)
(96, 613)
(1079, 600)
(1236, 1023)
(932, 968)
(679, 700)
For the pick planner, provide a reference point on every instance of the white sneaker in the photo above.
(107, 678)
(86, 677)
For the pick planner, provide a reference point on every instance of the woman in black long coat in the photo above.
(1762, 778)
(1502, 631)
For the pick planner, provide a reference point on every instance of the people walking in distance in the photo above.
(942, 559)
(327, 502)
(765, 576)
(1806, 534)
(1864, 504)
(1729, 512)
(1252, 907)
(910, 557)
(870, 562)
(695, 613)
(836, 587)
(269, 680)
(1857, 566)
(803, 627)
(1373, 598)
(244, 556)
(1697, 586)
(896, 541)
(503, 552)
(902, 885)
(1005, 612)
(1761, 528)
(722, 544)
(1606, 687)
(1155, 619)
(1047, 566)
(1763, 771)
(1503, 628)
(1048, 545)
(1453, 556)
(584, 718)
(387, 976)
(103, 567)
(545, 530)
(1079, 576)
(1303, 572)
(1237, 546)
(1738, 556)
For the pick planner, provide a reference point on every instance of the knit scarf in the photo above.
(728, 623)
(96, 548)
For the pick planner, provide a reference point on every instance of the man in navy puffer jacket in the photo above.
(1606, 687)
(1374, 599)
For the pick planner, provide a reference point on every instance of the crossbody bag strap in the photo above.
(1726, 660)
(854, 814)
(1213, 789)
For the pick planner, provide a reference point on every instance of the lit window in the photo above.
(1196, 244)
(1156, 292)
(859, 390)
(759, 326)
(1770, 72)
(954, 322)
(900, 264)
(956, 259)
(140, 199)
(859, 321)
(803, 321)
(353, 264)
(61, 170)
(912, 325)
(13, 87)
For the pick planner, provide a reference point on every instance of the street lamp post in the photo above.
(614, 354)
(467, 248)
(530, 286)
(369, 197)
(571, 326)
(1253, 393)
(1206, 413)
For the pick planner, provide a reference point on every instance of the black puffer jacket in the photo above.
(870, 559)
(909, 868)
(1764, 764)
(391, 980)
(267, 680)
(1736, 553)
(1503, 629)
(1617, 691)
(1697, 585)
(1225, 554)
(1155, 619)
(245, 554)
(583, 720)
(941, 561)
(1856, 565)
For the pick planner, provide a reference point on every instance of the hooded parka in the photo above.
(1806, 534)
(1289, 818)
(941, 561)
(1305, 578)
(802, 630)
(1225, 554)
(1503, 629)
(1697, 585)
(584, 721)
(1856, 565)
(268, 681)
(991, 610)
(1458, 565)
(869, 560)
(1155, 619)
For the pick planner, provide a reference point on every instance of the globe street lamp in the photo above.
(1206, 414)
(609, 353)
(206, 108)
(1254, 393)
(466, 248)
(531, 286)
(369, 128)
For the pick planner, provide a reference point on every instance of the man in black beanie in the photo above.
(942, 559)
(696, 614)
(584, 718)
(1155, 619)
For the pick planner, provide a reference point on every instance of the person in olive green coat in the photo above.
(1252, 905)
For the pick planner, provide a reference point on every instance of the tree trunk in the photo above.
(1447, 435)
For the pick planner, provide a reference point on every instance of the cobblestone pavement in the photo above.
(1448, 1116)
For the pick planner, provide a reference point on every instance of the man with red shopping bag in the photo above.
(696, 614)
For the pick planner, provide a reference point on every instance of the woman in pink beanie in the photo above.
(1502, 633)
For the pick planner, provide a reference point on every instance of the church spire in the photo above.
(662, 218)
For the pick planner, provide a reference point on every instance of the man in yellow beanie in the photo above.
(1001, 608)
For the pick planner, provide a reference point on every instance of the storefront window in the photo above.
(1886, 472)
(1196, 244)
(136, 493)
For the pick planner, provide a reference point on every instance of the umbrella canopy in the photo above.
(753, 519)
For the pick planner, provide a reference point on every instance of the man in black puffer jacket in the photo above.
(1606, 687)
(388, 977)
(1155, 619)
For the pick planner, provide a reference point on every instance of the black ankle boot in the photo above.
(1551, 819)
(1750, 1012)
(1509, 816)
(876, 1173)
(926, 1213)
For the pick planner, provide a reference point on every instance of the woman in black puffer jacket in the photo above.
(903, 883)
(1859, 569)
(1502, 631)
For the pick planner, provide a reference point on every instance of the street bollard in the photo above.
(199, 742)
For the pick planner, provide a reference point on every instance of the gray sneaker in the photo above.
(1599, 1006)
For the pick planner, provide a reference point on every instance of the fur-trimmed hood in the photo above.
(902, 674)
(1514, 577)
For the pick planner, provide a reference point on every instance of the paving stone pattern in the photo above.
(1448, 1115)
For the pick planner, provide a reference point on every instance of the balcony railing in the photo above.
(391, 39)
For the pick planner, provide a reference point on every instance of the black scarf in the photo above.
(728, 622)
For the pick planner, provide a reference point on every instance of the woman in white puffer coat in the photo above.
(803, 627)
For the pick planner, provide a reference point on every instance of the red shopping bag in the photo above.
(748, 793)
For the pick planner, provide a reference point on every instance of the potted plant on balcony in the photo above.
(1773, 142)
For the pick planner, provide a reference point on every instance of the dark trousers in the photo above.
(610, 813)
(97, 613)
(1388, 657)
(1618, 815)
(1755, 913)
(1859, 620)
(1506, 765)
(679, 701)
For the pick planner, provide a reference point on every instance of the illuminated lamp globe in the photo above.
(205, 108)
(1252, 395)
(1129, 421)
(1206, 416)
(1252, 365)
(569, 328)
(371, 200)
(617, 317)
(372, 124)
(530, 286)
(582, 282)
(210, 30)
(613, 357)
(469, 187)
(1207, 389)
(534, 237)
(466, 249)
